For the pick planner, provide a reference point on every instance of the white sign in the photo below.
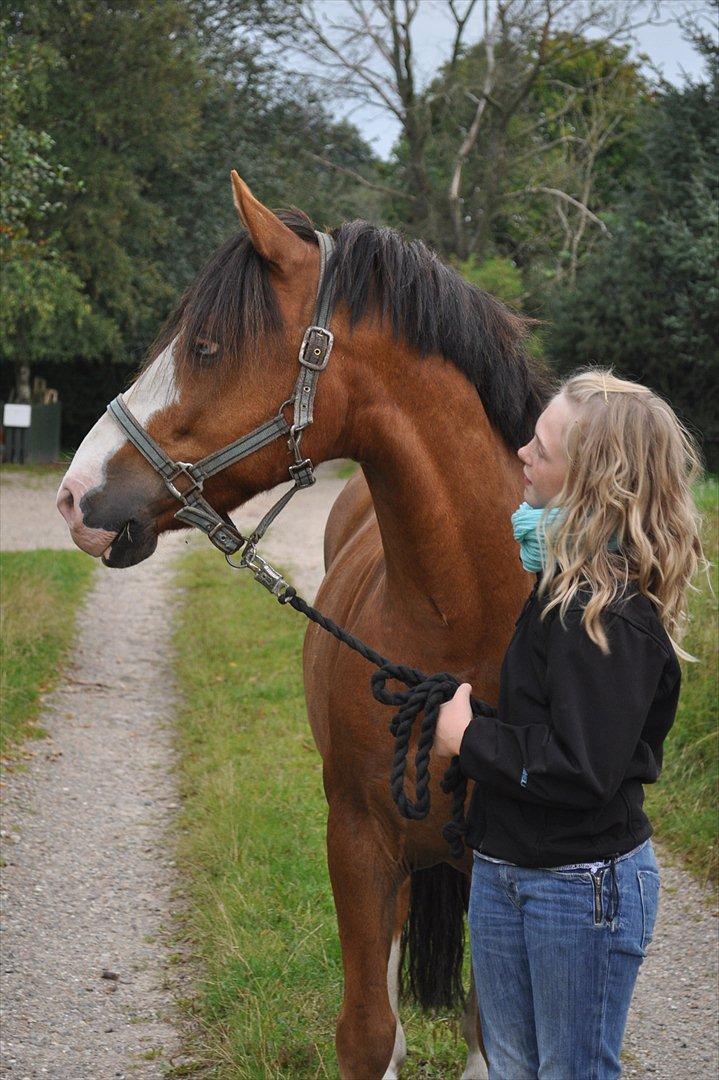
(16, 416)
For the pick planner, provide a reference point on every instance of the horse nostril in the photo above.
(66, 504)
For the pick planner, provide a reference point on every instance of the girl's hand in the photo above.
(453, 718)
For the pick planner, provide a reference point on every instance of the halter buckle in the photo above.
(302, 473)
(317, 342)
(183, 469)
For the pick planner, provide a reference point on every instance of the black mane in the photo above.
(429, 305)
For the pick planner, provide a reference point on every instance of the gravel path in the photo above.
(89, 881)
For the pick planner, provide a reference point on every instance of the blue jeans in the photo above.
(556, 955)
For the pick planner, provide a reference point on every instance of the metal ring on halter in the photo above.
(182, 470)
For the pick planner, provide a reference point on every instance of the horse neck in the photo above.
(444, 485)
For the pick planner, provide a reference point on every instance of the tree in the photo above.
(44, 308)
(148, 105)
(646, 299)
(534, 183)
(363, 50)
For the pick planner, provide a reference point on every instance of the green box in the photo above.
(39, 443)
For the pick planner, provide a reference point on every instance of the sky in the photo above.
(664, 45)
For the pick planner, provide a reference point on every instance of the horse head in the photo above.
(224, 364)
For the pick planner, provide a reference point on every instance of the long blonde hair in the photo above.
(631, 467)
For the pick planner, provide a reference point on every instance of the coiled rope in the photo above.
(424, 694)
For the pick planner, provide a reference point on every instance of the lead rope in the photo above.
(425, 694)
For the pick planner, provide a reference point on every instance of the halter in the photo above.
(313, 357)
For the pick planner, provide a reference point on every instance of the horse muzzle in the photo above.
(94, 541)
(104, 527)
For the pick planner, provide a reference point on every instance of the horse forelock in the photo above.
(373, 269)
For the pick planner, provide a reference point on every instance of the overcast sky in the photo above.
(664, 45)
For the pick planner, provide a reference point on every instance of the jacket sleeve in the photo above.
(597, 709)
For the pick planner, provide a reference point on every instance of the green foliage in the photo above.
(646, 299)
(546, 139)
(41, 591)
(44, 309)
(148, 106)
(120, 104)
(497, 275)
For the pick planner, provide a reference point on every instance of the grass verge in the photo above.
(41, 591)
(252, 844)
(682, 805)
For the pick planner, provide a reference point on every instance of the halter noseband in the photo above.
(313, 357)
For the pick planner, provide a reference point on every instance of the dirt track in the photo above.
(89, 882)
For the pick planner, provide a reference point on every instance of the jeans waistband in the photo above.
(599, 862)
(572, 866)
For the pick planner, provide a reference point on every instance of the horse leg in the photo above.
(476, 1067)
(365, 883)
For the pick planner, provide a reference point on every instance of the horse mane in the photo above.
(374, 269)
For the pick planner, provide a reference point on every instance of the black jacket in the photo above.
(560, 771)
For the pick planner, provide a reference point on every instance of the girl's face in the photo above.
(544, 460)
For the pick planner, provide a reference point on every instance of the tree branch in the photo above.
(359, 178)
(541, 190)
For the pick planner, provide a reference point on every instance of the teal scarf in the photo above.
(532, 550)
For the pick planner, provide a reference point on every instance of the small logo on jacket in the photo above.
(524, 777)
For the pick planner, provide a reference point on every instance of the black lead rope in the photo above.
(425, 694)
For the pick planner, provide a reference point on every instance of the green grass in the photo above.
(40, 591)
(7, 468)
(252, 843)
(346, 469)
(683, 803)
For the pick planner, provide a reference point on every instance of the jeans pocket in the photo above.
(649, 895)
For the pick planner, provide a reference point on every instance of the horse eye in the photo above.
(206, 349)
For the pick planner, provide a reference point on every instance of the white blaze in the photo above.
(154, 390)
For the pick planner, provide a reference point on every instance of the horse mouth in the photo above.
(133, 544)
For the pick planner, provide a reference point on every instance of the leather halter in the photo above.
(185, 481)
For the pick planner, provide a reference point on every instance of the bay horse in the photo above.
(430, 388)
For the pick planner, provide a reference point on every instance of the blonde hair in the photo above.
(631, 467)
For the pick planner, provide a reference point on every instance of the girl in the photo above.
(565, 884)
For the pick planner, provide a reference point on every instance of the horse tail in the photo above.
(432, 943)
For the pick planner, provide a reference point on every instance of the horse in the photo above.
(431, 388)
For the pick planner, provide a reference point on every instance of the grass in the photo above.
(683, 803)
(38, 468)
(252, 844)
(346, 469)
(41, 591)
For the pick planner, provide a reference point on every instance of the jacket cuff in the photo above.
(469, 755)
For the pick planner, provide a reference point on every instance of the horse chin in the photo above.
(133, 544)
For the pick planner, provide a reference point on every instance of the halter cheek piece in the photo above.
(185, 481)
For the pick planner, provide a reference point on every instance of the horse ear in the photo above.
(271, 238)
